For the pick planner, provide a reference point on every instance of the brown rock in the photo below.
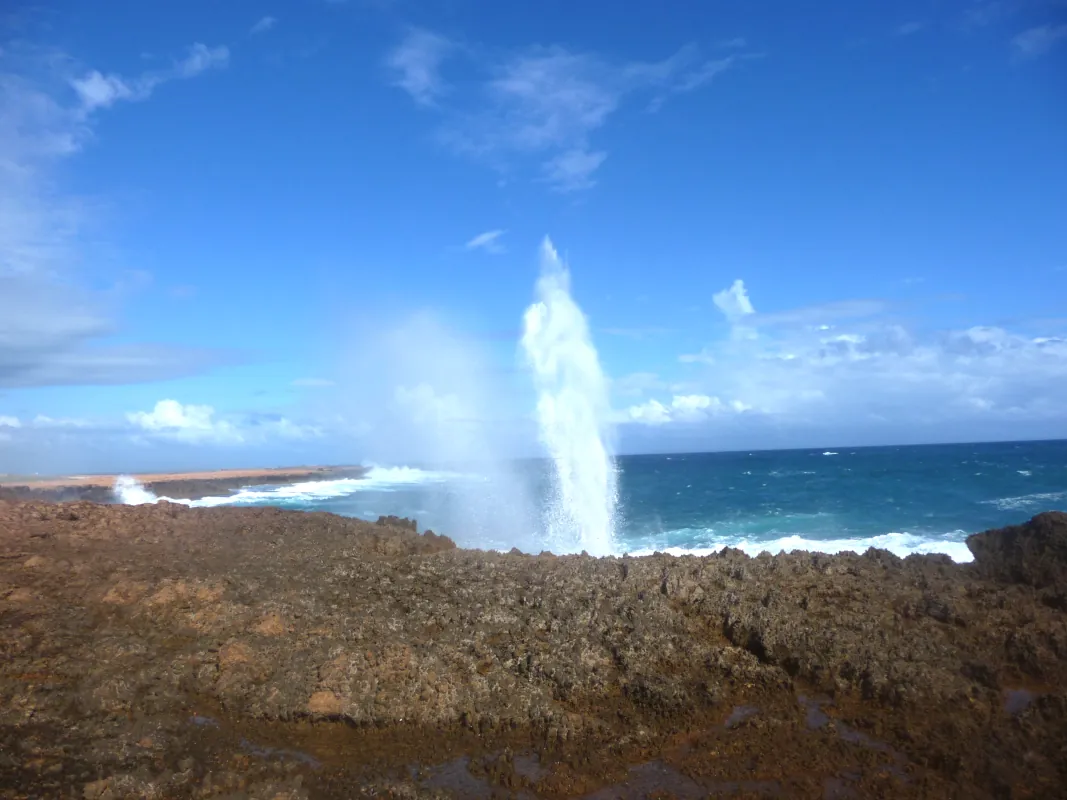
(20, 595)
(1034, 553)
(271, 625)
(125, 592)
(797, 675)
(233, 654)
(96, 790)
(325, 703)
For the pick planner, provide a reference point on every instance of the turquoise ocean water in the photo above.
(911, 499)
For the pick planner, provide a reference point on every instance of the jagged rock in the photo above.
(193, 652)
(1034, 553)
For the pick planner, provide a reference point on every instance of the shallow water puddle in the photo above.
(817, 719)
(454, 776)
(280, 753)
(739, 715)
(646, 780)
(1016, 701)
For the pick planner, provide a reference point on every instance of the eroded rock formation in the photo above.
(200, 652)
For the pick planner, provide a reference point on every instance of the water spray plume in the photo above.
(132, 492)
(573, 413)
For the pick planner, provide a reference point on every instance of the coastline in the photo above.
(296, 654)
(179, 485)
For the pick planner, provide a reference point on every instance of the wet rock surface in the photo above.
(161, 651)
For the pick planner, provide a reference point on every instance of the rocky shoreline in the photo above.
(179, 486)
(161, 651)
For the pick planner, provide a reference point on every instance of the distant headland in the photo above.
(178, 485)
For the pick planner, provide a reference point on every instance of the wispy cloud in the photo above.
(488, 242)
(572, 170)
(543, 103)
(51, 331)
(97, 90)
(416, 64)
(1037, 41)
(263, 25)
(821, 314)
(695, 79)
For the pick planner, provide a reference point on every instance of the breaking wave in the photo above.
(129, 491)
(900, 544)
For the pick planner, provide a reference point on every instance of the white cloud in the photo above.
(416, 63)
(702, 75)
(201, 58)
(1039, 40)
(683, 408)
(868, 366)
(199, 424)
(489, 242)
(572, 171)
(541, 103)
(263, 25)
(96, 90)
(735, 305)
(100, 91)
(10, 422)
(651, 413)
(734, 301)
(192, 423)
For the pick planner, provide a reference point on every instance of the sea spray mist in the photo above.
(573, 414)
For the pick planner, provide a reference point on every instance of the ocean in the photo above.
(909, 499)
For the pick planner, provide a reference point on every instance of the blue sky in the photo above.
(256, 233)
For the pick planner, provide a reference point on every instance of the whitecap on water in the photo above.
(383, 479)
(1026, 502)
(901, 544)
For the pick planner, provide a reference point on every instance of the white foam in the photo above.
(1039, 501)
(130, 492)
(829, 453)
(901, 544)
